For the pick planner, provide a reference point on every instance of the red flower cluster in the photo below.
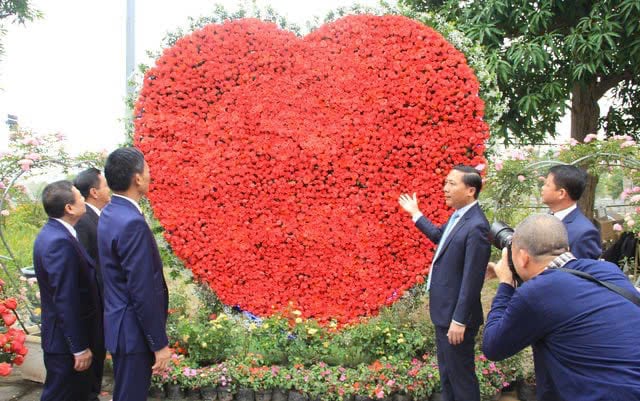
(12, 349)
(277, 161)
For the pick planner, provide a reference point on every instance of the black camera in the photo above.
(500, 236)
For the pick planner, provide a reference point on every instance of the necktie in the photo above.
(445, 234)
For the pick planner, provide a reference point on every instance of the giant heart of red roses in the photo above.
(277, 161)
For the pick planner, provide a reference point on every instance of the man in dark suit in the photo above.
(71, 304)
(455, 280)
(561, 191)
(135, 292)
(584, 334)
(93, 187)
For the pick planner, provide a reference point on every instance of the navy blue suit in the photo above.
(87, 231)
(136, 296)
(457, 279)
(585, 335)
(584, 238)
(71, 308)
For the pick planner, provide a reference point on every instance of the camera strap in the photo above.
(621, 291)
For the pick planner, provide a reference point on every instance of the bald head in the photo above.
(542, 236)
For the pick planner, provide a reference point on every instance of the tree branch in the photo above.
(609, 82)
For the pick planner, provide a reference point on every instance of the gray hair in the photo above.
(541, 235)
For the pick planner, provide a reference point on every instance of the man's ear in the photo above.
(93, 193)
(563, 194)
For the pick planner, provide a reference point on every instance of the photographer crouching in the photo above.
(581, 316)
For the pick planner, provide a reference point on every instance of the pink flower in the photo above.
(498, 165)
(4, 212)
(590, 138)
(480, 167)
(573, 142)
(380, 393)
(33, 156)
(517, 154)
(342, 378)
(521, 178)
(617, 227)
(626, 144)
(25, 164)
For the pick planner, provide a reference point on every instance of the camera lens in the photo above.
(500, 235)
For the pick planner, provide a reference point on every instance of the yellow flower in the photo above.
(312, 331)
(37, 311)
(400, 340)
(325, 344)
(185, 338)
(266, 325)
(297, 312)
(204, 345)
(298, 320)
(252, 326)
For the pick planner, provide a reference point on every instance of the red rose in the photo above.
(5, 369)
(11, 303)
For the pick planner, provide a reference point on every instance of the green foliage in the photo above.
(20, 228)
(546, 51)
(15, 11)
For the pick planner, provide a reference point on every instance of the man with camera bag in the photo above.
(455, 280)
(581, 316)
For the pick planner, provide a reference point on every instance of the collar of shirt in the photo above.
(69, 227)
(561, 260)
(561, 214)
(130, 200)
(95, 209)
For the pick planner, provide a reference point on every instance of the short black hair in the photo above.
(570, 178)
(122, 164)
(56, 196)
(87, 179)
(471, 178)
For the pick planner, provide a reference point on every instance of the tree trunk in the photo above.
(588, 198)
(584, 110)
(584, 120)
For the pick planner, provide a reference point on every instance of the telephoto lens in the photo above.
(500, 236)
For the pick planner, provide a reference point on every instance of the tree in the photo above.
(553, 54)
(19, 11)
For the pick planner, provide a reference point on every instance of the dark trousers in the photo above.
(97, 369)
(457, 366)
(132, 376)
(63, 383)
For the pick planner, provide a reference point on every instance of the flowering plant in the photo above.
(312, 140)
(12, 348)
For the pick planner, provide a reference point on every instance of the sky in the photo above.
(66, 72)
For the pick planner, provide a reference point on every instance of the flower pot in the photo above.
(174, 392)
(33, 366)
(157, 392)
(224, 393)
(193, 394)
(279, 395)
(263, 395)
(437, 396)
(401, 397)
(297, 396)
(359, 397)
(209, 393)
(527, 392)
(245, 394)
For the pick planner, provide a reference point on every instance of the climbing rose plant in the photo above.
(277, 160)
